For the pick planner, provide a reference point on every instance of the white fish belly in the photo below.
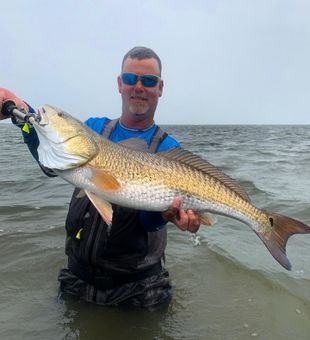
(152, 197)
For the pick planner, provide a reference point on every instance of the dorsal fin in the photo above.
(196, 162)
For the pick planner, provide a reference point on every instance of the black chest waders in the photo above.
(128, 256)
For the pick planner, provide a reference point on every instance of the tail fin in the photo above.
(275, 239)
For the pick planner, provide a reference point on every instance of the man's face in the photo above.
(138, 99)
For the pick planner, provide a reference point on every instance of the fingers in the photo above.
(184, 220)
(193, 221)
(189, 220)
(176, 204)
(173, 212)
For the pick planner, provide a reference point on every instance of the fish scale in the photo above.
(170, 175)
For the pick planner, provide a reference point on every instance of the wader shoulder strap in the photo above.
(109, 127)
(158, 136)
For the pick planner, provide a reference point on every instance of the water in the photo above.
(226, 287)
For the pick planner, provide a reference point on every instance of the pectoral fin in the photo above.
(104, 180)
(104, 207)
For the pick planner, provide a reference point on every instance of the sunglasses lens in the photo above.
(149, 80)
(129, 78)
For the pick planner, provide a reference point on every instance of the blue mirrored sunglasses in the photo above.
(147, 80)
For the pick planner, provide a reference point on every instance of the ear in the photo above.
(120, 84)
(160, 88)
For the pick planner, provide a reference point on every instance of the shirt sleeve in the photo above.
(152, 220)
(168, 143)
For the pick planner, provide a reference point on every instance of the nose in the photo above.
(138, 86)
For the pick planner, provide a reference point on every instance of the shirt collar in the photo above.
(136, 130)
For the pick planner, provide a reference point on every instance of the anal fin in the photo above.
(104, 207)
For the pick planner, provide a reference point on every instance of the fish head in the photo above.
(65, 142)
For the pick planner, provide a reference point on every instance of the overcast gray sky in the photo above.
(224, 61)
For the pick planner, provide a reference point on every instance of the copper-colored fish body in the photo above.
(121, 173)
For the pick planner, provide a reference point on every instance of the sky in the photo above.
(224, 61)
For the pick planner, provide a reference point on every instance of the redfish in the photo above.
(126, 174)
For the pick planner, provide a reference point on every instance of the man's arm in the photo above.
(6, 96)
(184, 220)
(30, 137)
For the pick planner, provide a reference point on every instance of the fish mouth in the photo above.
(41, 117)
(44, 128)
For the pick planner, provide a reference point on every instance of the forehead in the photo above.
(144, 66)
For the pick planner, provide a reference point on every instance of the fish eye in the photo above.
(60, 114)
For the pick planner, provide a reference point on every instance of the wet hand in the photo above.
(184, 220)
(6, 95)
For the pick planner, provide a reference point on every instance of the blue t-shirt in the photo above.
(121, 132)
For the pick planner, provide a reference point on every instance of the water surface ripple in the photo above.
(228, 287)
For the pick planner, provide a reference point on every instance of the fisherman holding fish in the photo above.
(130, 179)
(111, 261)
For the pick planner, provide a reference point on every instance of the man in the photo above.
(123, 263)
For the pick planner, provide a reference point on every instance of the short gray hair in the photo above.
(140, 53)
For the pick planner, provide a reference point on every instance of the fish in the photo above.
(127, 174)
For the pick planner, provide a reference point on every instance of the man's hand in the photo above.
(6, 95)
(184, 220)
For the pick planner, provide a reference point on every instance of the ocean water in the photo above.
(227, 285)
